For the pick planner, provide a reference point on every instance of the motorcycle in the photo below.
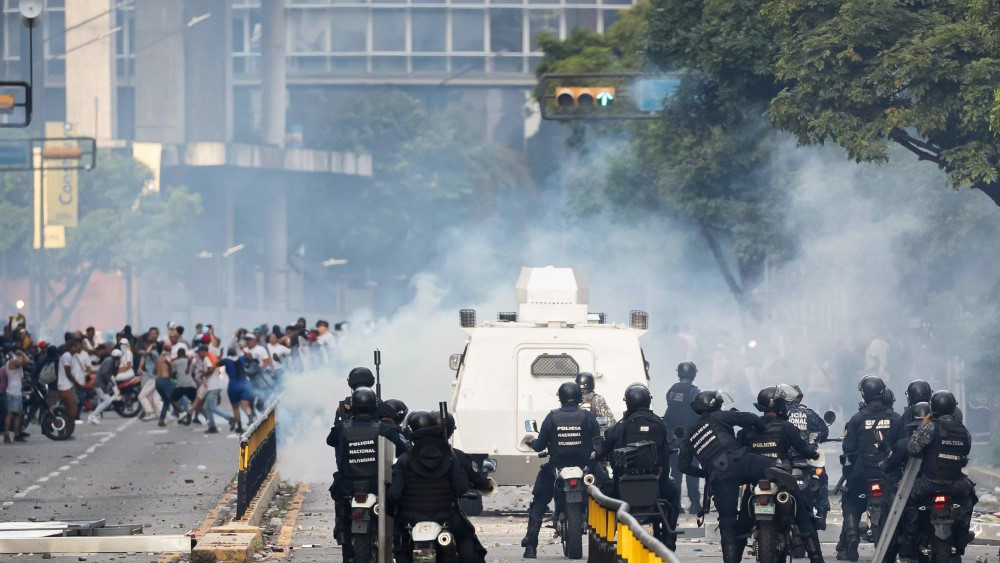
(126, 404)
(429, 541)
(54, 420)
(571, 509)
(773, 508)
(936, 516)
(364, 524)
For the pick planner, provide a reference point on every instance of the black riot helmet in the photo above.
(570, 393)
(420, 423)
(872, 388)
(707, 401)
(772, 399)
(450, 425)
(585, 380)
(360, 377)
(942, 403)
(394, 409)
(920, 410)
(637, 397)
(363, 401)
(918, 391)
(888, 398)
(686, 370)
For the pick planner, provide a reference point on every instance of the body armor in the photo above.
(360, 443)
(945, 457)
(643, 425)
(710, 441)
(771, 442)
(568, 446)
(874, 435)
(679, 412)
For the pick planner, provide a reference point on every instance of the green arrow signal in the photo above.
(605, 98)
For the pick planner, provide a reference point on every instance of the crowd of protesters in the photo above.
(182, 376)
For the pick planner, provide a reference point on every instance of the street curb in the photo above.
(237, 541)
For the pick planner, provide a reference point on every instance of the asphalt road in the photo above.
(124, 471)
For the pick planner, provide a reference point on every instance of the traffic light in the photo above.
(590, 97)
(7, 103)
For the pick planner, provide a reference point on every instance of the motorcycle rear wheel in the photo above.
(128, 406)
(767, 543)
(57, 424)
(572, 539)
(364, 548)
(940, 550)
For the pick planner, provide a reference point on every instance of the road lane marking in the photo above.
(64, 468)
(23, 493)
(42, 479)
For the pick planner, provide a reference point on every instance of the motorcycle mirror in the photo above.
(530, 426)
(455, 361)
(829, 417)
(680, 432)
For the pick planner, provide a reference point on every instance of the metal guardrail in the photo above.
(258, 454)
(614, 536)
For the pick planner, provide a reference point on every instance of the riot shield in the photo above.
(386, 457)
(896, 511)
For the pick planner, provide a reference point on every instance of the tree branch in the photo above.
(720, 260)
(923, 150)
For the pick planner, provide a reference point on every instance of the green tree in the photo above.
(859, 73)
(706, 160)
(121, 226)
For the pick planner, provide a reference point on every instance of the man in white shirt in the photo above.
(126, 370)
(325, 341)
(15, 406)
(71, 377)
(277, 351)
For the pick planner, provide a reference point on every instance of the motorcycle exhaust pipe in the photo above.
(445, 538)
(589, 479)
(783, 497)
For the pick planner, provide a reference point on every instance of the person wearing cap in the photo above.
(104, 384)
(126, 368)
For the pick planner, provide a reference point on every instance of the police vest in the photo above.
(873, 436)
(645, 426)
(772, 442)
(568, 445)
(427, 490)
(359, 441)
(799, 417)
(710, 441)
(679, 412)
(944, 457)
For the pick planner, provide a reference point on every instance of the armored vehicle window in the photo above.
(555, 365)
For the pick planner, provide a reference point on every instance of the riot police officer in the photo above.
(358, 377)
(591, 400)
(894, 465)
(867, 438)
(918, 391)
(568, 432)
(777, 441)
(393, 411)
(638, 425)
(427, 482)
(944, 445)
(679, 414)
(815, 431)
(725, 463)
(478, 479)
(356, 441)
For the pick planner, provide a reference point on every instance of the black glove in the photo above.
(815, 455)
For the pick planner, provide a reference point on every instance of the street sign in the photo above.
(652, 92)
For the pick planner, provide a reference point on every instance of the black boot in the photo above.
(732, 551)
(530, 540)
(813, 548)
(851, 540)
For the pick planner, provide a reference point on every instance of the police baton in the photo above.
(378, 376)
(443, 408)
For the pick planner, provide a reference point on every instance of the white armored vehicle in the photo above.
(511, 368)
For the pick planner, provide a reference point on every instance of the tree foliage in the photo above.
(859, 73)
(119, 224)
